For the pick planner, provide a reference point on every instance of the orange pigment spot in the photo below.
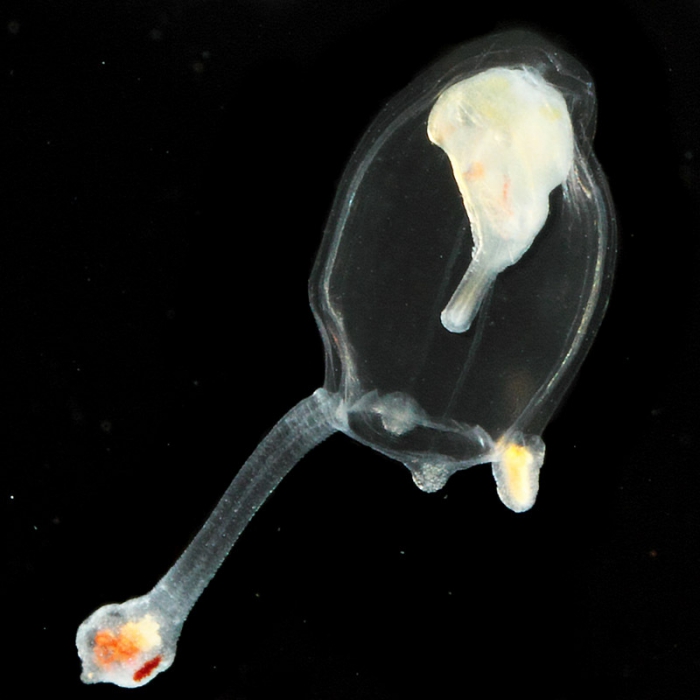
(517, 455)
(147, 668)
(113, 648)
(475, 171)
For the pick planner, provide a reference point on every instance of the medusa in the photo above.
(464, 270)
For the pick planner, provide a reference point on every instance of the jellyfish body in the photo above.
(483, 164)
(437, 368)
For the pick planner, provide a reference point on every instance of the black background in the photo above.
(168, 169)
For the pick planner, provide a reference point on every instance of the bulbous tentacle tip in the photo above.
(516, 468)
(127, 644)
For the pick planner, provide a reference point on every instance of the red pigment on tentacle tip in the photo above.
(147, 668)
